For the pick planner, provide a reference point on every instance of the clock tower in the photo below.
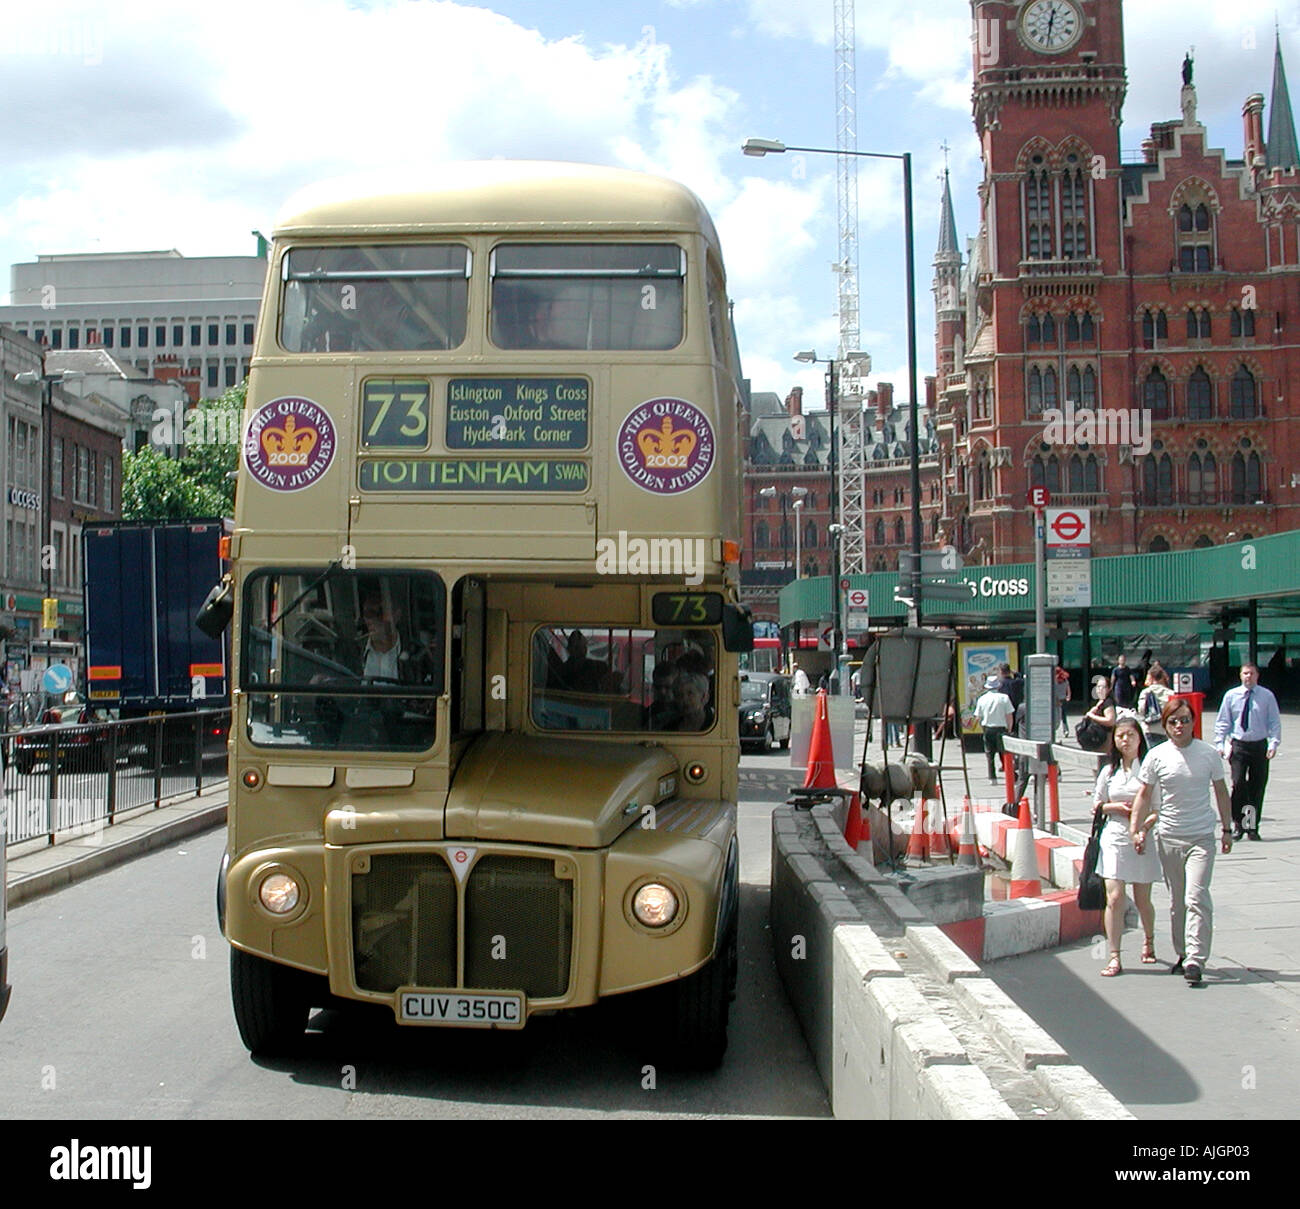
(1049, 87)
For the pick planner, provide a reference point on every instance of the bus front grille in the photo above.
(518, 926)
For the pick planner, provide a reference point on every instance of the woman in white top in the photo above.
(1118, 863)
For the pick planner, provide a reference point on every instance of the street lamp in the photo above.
(798, 534)
(31, 378)
(769, 493)
(760, 147)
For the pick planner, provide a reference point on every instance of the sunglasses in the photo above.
(1180, 720)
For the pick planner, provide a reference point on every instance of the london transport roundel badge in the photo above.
(666, 446)
(289, 444)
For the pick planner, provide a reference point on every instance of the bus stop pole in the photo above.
(1040, 587)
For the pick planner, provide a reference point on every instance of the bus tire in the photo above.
(699, 1008)
(271, 1003)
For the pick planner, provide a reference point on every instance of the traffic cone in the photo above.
(967, 849)
(940, 844)
(857, 828)
(821, 759)
(1024, 859)
(919, 845)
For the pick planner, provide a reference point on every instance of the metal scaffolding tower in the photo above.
(852, 420)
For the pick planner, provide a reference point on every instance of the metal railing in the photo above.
(68, 782)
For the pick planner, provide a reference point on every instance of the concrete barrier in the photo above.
(888, 1002)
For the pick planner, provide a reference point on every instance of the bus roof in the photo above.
(492, 194)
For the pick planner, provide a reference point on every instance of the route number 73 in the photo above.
(395, 414)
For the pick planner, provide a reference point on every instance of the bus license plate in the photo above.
(460, 1009)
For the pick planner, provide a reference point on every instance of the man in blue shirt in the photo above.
(1248, 731)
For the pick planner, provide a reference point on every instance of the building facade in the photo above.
(161, 313)
(1118, 332)
(55, 481)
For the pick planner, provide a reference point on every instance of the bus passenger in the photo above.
(663, 702)
(693, 702)
(579, 674)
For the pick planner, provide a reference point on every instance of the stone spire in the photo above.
(1281, 148)
(948, 248)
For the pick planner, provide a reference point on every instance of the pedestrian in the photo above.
(1121, 683)
(1118, 863)
(995, 715)
(801, 683)
(1103, 708)
(1151, 704)
(1189, 776)
(1062, 696)
(1248, 731)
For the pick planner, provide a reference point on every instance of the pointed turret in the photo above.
(948, 248)
(1281, 151)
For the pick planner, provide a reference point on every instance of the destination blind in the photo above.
(517, 413)
(473, 474)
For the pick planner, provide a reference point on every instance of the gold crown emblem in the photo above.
(290, 445)
(668, 447)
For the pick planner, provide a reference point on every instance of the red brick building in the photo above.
(1162, 297)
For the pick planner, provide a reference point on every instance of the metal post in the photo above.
(1040, 588)
(914, 408)
(835, 537)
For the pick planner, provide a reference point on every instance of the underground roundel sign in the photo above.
(289, 444)
(666, 446)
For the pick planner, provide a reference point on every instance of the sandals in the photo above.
(1113, 967)
(1149, 951)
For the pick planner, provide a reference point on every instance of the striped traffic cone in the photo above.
(919, 845)
(1024, 858)
(967, 848)
(940, 845)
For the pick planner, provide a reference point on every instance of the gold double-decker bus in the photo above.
(485, 569)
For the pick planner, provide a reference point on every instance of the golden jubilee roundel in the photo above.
(666, 446)
(289, 444)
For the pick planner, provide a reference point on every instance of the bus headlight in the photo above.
(655, 905)
(278, 893)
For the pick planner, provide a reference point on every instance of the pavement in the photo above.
(1227, 1049)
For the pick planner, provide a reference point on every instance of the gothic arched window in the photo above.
(1198, 323)
(1051, 396)
(1159, 545)
(1155, 394)
(1035, 401)
(1246, 479)
(1200, 395)
(1242, 322)
(1157, 479)
(1038, 211)
(878, 532)
(900, 531)
(1074, 210)
(1089, 397)
(1244, 400)
(1194, 236)
(1155, 326)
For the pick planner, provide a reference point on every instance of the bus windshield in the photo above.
(375, 297)
(355, 663)
(623, 679)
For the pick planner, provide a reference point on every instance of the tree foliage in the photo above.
(156, 487)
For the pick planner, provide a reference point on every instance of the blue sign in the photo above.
(57, 679)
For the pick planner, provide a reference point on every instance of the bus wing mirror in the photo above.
(737, 628)
(216, 611)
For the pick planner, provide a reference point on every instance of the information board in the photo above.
(517, 413)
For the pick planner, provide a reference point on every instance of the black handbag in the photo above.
(1091, 735)
(1092, 887)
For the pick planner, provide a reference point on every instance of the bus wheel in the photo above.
(271, 1003)
(699, 1006)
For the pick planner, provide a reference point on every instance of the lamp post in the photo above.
(810, 357)
(798, 492)
(46, 381)
(798, 535)
(760, 147)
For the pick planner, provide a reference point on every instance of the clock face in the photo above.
(1050, 26)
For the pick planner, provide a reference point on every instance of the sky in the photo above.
(148, 124)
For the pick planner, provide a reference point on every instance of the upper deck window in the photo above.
(587, 296)
(374, 298)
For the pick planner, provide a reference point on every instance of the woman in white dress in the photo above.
(1119, 863)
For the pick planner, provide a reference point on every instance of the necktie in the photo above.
(1245, 714)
